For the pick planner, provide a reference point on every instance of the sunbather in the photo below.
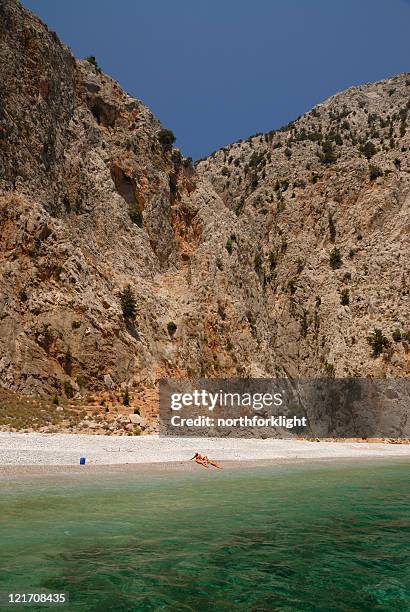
(205, 462)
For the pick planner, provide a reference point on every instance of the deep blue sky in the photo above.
(217, 70)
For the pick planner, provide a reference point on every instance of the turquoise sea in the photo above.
(288, 537)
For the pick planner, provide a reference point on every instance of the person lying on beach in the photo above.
(204, 461)
(200, 459)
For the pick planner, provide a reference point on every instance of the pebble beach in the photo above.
(36, 449)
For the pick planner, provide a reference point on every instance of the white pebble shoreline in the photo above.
(32, 449)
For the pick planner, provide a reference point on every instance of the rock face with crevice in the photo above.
(276, 256)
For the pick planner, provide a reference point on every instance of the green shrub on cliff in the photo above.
(128, 302)
(166, 138)
(377, 341)
(335, 259)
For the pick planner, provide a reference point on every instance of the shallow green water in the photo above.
(318, 537)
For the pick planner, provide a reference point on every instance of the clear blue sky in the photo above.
(214, 71)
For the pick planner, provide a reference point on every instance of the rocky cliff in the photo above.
(322, 211)
(287, 254)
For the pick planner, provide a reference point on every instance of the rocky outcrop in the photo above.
(275, 256)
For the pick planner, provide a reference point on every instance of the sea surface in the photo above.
(287, 537)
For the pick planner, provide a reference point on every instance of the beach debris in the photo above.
(82, 460)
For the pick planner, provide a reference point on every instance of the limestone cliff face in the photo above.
(323, 217)
(235, 252)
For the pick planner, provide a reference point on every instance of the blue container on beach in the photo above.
(82, 460)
